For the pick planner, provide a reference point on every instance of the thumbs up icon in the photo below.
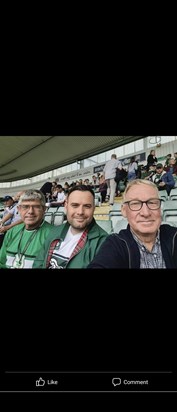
(40, 382)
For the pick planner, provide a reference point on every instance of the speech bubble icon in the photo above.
(116, 381)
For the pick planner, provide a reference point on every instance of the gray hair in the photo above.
(33, 194)
(140, 182)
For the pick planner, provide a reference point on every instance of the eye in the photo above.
(135, 203)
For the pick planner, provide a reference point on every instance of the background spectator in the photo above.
(132, 169)
(151, 159)
(163, 180)
(109, 172)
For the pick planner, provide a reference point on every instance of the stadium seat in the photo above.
(58, 218)
(98, 199)
(170, 205)
(106, 225)
(121, 224)
(52, 209)
(163, 195)
(116, 207)
(61, 209)
(169, 222)
(115, 218)
(173, 194)
(170, 216)
(48, 217)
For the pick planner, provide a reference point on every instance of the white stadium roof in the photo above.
(26, 156)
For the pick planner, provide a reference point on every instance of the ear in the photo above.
(65, 204)
(123, 211)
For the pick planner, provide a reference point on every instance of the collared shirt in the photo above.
(110, 168)
(153, 259)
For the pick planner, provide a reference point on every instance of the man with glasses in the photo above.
(11, 215)
(23, 242)
(145, 243)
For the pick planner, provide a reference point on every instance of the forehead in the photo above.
(30, 202)
(80, 197)
(141, 192)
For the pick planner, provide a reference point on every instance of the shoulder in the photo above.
(12, 208)
(96, 230)
(56, 230)
(14, 230)
(47, 225)
(166, 230)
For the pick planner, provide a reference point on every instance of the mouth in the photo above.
(147, 221)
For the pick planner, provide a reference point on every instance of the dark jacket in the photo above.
(167, 178)
(151, 160)
(121, 250)
(46, 188)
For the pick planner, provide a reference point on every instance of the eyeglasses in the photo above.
(27, 207)
(135, 205)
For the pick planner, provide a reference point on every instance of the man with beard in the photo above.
(74, 243)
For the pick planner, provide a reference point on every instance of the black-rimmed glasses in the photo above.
(135, 205)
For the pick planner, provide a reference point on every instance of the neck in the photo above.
(148, 240)
(76, 231)
(32, 227)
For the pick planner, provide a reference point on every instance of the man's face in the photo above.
(32, 213)
(8, 203)
(79, 208)
(144, 221)
(159, 170)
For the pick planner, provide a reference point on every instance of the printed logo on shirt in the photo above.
(58, 262)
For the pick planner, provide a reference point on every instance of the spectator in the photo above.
(175, 157)
(148, 174)
(121, 176)
(46, 189)
(8, 204)
(53, 193)
(11, 216)
(74, 243)
(163, 180)
(23, 242)
(60, 197)
(172, 167)
(138, 171)
(66, 188)
(109, 175)
(168, 157)
(145, 243)
(151, 159)
(102, 188)
(95, 181)
(132, 169)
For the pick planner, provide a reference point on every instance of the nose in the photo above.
(80, 210)
(145, 210)
(31, 209)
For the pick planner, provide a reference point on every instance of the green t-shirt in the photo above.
(21, 246)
